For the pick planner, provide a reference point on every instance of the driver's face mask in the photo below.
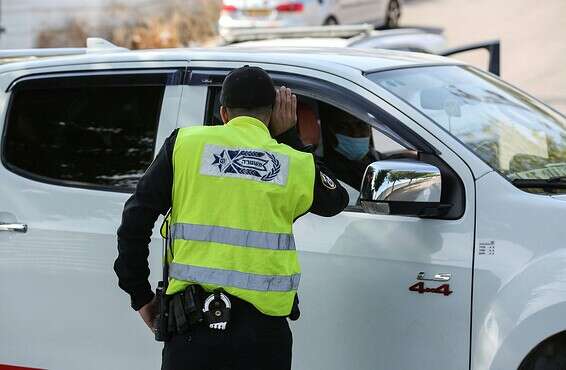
(353, 148)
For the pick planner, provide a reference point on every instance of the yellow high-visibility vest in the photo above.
(236, 193)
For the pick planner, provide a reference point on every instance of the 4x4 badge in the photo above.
(421, 289)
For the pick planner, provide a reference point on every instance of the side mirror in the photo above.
(402, 187)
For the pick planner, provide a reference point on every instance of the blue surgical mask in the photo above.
(353, 148)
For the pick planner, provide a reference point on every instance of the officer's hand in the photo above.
(284, 115)
(149, 313)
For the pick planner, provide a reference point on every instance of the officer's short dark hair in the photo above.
(248, 91)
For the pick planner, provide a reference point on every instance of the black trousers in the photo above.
(252, 341)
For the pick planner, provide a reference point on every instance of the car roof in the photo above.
(333, 60)
(295, 42)
(388, 37)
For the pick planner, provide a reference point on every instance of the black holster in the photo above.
(183, 310)
(162, 332)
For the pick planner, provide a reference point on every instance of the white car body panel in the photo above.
(61, 306)
(523, 291)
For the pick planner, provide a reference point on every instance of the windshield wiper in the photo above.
(557, 182)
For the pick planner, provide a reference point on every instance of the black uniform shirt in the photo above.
(349, 171)
(153, 197)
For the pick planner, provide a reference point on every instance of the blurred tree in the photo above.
(167, 24)
(72, 34)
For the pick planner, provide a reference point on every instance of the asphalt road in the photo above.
(532, 34)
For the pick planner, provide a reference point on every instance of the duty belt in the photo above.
(194, 306)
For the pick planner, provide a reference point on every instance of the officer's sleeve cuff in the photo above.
(140, 297)
(291, 138)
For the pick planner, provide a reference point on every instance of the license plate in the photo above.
(257, 12)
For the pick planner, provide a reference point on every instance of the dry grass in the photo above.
(72, 34)
(170, 24)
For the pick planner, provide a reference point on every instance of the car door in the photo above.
(377, 291)
(74, 145)
(493, 48)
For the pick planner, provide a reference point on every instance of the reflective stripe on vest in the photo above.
(227, 235)
(236, 279)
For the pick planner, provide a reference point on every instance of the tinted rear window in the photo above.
(93, 136)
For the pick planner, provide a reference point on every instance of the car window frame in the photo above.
(104, 78)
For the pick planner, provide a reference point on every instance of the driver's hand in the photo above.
(284, 115)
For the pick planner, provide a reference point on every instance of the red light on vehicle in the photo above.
(290, 7)
(229, 8)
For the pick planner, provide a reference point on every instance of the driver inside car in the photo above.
(348, 149)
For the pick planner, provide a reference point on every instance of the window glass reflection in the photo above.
(515, 134)
(102, 136)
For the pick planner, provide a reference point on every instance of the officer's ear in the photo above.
(224, 114)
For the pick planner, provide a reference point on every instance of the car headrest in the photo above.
(441, 99)
(434, 98)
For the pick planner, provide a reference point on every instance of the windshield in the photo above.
(518, 136)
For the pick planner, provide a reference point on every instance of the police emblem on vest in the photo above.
(246, 163)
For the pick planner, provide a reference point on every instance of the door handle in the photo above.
(17, 228)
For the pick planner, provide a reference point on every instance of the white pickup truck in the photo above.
(452, 257)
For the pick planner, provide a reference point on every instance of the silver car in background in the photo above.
(247, 14)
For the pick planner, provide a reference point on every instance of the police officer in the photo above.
(234, 192)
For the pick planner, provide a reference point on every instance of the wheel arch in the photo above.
(550, 348)
(527, 310)
(330, 16)
(527, 336)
